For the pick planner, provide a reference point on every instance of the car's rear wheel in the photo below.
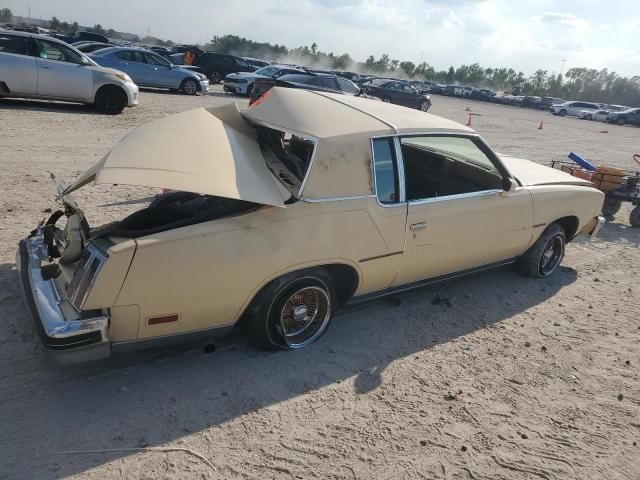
(214, 77)
(544, 256)
(110, 100)
(634, 217)
(189, 86)
(562, 113)
(292, 311)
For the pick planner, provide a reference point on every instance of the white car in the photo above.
(597, 115)
(37, 66)
(573, 108)
(242, 83)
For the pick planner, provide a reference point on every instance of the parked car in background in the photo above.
(398, 93)
(148, 69)
(38, 66)
(531, 101)
(216, 66)
(572, 108)
(243, 82)
(616, 108)
(630, 116)
(90, 47)
(322, 82)
(547, 102)
(597, 115)
(256, 62)
(280, 228)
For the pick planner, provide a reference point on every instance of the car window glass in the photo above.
(131, 56)
(438, 166)
(268, 71)
(156, 60)
(347, 86)
(57, 52)
(328, 82)
(386, 170)
(316, 81)
(407, 88)
(241, 62)
(11, 44)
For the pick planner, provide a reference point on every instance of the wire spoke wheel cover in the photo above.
(304, 316)
(551, 255)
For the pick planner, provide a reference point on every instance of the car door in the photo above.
(412, 99)
(458, 217)
(133, 63)
(161, 73)
(62, 73)
(18, 69)
(394, 91)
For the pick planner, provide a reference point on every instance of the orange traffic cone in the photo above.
(468, 124)
(541, 126)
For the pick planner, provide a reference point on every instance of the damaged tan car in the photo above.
(282, 213)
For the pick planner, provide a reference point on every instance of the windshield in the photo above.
(266, 71)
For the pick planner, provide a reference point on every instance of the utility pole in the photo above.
(562, 67)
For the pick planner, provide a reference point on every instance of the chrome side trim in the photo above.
(425, 133)
(335, 199)
(459, 196)
(429, 281)
(380, 119)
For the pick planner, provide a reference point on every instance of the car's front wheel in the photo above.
(291, 311)
(620, 121)
(544, 256)
(589, 117)
(189, 86)
(110, 100)
(424, 106)
(386, 99)
(562, 113)
(249, 90)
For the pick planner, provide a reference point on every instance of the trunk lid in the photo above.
(207, 151)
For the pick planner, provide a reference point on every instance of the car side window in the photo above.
(317, 81)
(156, 59)
(347, 86)
(407, 88)
(439, 166)
(131, 56)
(386, 170)
(13, 44)
(55, 51)
(330, 83)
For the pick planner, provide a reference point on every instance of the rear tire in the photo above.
(544, 256)
(214, 77)
(189, 86)
(292, 311)
(634, 217)
(111, 100)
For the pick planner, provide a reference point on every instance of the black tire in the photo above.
(271, 321)
(111, 100)
(589, 117)
(610, 207)
(214, 77)
(250, 90)
(562, 113)
(634, 217)
(189, 86)
(544, 256)
(621, 121)
(424, 106)
(386, 99)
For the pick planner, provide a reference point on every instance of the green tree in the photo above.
(6, 15)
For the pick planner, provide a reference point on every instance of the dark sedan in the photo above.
(308, 81)
(630, 116)
(399, 93)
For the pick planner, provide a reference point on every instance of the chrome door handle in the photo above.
(418, 226)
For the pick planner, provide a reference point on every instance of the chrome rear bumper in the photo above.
(71, 336)
(600, 221)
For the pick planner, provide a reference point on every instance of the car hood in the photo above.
(247, 75)
(531, 173)
(207, 151)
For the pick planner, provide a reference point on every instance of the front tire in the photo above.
(249, 90)
(634, 217)
(386, 99)
(424, 106)
(562, 113)
(189, 87)
(620, 121)
(292, 311)
(544, 257)
(110, 100)
(214, 77)
(589, 117)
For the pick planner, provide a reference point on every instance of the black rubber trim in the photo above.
(380, 256)
(49, 342)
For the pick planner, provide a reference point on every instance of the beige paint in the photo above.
(209, 272)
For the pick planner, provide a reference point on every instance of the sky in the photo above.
(521, 34)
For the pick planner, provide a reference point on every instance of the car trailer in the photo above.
(619, 185)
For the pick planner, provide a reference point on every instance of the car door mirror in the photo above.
(509, 184)
(84, 61)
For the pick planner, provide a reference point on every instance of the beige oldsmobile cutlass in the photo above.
(284, 212)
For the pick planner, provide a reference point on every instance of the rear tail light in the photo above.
(85, 275)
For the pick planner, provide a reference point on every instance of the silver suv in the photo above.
(37, 66)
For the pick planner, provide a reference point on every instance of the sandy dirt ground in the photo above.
(517, 379)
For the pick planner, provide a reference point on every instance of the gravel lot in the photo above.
(518, 379)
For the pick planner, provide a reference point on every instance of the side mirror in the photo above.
(84, 61)
(509, 185)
